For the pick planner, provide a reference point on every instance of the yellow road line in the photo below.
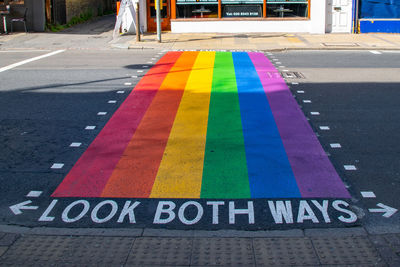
(181, 169)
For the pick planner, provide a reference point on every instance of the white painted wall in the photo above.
(316, 24)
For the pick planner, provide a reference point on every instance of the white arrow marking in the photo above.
(16, 209)
(388, 211)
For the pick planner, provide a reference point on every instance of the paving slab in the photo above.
(54, 250)
(222, 252)
(160, 251)
(346, 250)
(284, 252)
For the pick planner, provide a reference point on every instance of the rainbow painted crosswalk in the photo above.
(215, 125)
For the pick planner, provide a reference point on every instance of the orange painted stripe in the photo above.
(137, 169)
(91, 172)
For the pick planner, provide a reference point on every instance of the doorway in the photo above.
(341, 15)
(165, 16)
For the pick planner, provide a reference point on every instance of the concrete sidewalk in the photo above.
(151, 247)
(268, 41)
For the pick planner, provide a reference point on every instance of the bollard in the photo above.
(137, 23)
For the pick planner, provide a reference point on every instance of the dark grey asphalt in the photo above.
(45, 106)
(357, 94)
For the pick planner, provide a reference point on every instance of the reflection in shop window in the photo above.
(197, 9)
(287, 8)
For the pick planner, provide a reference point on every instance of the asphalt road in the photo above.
(356, 94)
(45, 106)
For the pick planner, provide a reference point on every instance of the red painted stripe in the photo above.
(135, 173)
(90, 174)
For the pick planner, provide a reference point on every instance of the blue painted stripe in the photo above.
(270, 173)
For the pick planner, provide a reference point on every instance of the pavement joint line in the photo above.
(75, 144)
(90, 127)
(368, 194)
(57, 166)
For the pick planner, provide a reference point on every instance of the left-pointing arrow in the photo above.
(16, 209)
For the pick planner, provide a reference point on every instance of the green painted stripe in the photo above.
(225, 169)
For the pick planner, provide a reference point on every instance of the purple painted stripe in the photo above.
(314, 173)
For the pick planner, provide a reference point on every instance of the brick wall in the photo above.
(77, 7)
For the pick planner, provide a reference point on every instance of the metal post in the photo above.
(137, 23)
(356, 16)
(158, 10)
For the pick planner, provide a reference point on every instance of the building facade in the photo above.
(246, 16)
(40, 12)
(379, 16)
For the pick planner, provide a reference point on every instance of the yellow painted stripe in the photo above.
(294, 40)
(181, 169)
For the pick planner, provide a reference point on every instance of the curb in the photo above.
(280, 49)
(151, 232)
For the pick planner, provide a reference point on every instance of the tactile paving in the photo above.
(8, 239)
(346, 250)
(151, 251)
(284, 252)
(61, 250)
(222, 252)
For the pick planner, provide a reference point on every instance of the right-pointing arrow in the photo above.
(388, 211)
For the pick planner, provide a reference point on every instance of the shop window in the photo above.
(197, 9)
(287, 8)
(242, 9)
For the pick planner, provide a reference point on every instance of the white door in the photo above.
(341, 15)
